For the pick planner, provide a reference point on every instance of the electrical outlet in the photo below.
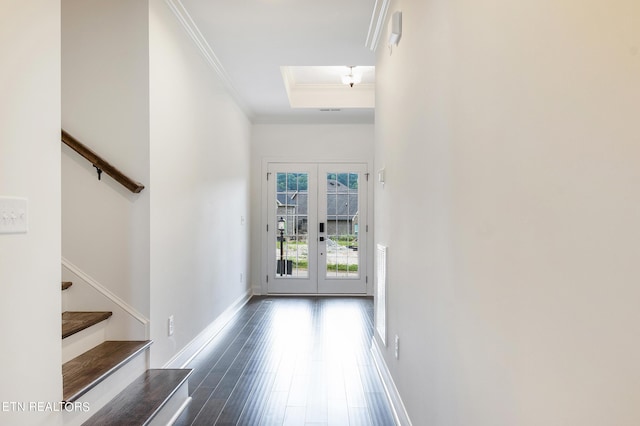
(171, 325)
(397, 348)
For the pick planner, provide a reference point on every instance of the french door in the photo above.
(316, 228)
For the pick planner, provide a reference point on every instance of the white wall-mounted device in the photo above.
(14, 216)
(395, 31)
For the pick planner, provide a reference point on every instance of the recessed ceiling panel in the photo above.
(323, 86)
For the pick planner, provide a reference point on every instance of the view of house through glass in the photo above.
(292, 242)
(342, 225)
(292, 222)
(316, 228)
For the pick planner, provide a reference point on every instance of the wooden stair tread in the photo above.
(66, 284)
(73, 322)
(142, 399)
(85, 371)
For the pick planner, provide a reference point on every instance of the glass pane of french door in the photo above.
(342, 225)
(291, 223)
(316, 214)
(343, 209)
(292, 213)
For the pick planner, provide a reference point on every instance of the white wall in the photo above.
(298, 142)
(200, 189)
(105, 104)
(30, 359)
(509, 133)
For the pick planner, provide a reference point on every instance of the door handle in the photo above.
(321, 227)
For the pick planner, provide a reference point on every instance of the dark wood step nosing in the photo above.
(66, 284)
(134, 392)
(169, 396)
(107, 372)
(97, 318)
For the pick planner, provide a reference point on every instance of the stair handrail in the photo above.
(101, 164)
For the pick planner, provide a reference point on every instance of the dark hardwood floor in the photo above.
(290, 361)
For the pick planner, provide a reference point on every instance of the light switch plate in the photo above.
(14, 218)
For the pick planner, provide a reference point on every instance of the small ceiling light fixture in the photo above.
(351, 78)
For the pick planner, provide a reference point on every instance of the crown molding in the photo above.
(344, 87)
(343, 97)
(189, 25)
(378, 18)
(330, 118)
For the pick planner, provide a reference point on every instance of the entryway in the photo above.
(316, 228)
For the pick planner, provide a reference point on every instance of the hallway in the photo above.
(290, 361)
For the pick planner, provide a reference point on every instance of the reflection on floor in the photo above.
(290, 361)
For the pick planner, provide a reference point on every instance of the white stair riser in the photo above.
(104, 392)
(65, 299)
(171, 410)
(84, 340)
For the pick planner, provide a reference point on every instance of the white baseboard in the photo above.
(193, 348)
(399, 410)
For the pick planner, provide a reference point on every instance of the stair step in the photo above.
(66, 284)
(84, 372)
(142, 399)
(73, 322)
